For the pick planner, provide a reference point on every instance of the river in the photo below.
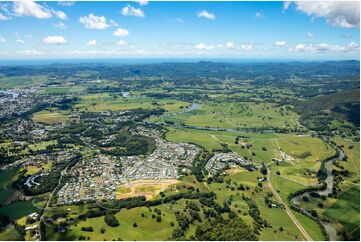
(297, 200)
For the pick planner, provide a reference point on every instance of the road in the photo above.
(62, 173)
(288, 210)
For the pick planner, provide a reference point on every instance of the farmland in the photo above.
(109, 152)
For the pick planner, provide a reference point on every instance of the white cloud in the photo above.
(280, 43)
(89, 52)
(31, 9)
(55, 40)
(29, 52)
(94, 22)
(140, 51)
(113, 23)
(59, 14)
(286, 5)
(341, 14)
(259, 15)
(91, 42)
(205, 14)
(60, 25)
(142, 2)
(4, 7)
(310, 35)
(18, 39)
(247, 47)
(121, 43)
(132, 11)
(66, 3)
(2, 39)
(121, 32)
(229, 45)
(3, 17)
(323, 47)
(202, 46)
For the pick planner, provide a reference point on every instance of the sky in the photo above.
(303, 30)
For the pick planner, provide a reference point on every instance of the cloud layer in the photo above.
(336, 13)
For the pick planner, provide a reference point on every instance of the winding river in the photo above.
(297, 200)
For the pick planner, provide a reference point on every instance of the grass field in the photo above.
(352, 150)
(15, 82)
(6, 178)
(233, 115)
(18, 209)
(264, 146)
(115, 102)
(30, 170)
(347, 212)
(285, 187)
(51, 117)
(147, 227)
(10, 234)
(64, 89)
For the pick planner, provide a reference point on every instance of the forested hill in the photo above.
(319, 112)
(279, 70)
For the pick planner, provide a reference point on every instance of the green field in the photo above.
(238, 115)
(10, 234)
(352, 150)
(18, 209)
(147, 227)
(51, 116)
(116, 102)
(347, 212)
(15, 82)
(6, 178)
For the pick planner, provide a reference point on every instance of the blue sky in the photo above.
(259, 30)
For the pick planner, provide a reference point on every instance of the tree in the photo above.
(111, 220)
(263, 169)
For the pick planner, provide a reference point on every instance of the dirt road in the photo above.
(288, 210)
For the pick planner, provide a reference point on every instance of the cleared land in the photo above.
(344, 211)
(147, 188)
(233, 115)
(51, 116)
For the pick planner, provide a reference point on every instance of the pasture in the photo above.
(352, 150)
(116, 102)
(238, 115)
(6, 178)
(147, 227)
(346, 212)
(18, 209)
(51, 116)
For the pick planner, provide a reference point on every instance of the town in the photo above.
(98, 178)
